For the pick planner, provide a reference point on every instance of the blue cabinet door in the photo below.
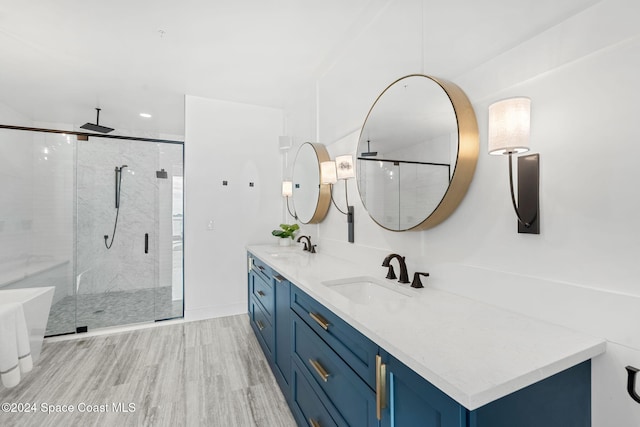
(282, 317)
(562, 400)
(413, 402)
(305, 404)
(342, 392)
(262, 328)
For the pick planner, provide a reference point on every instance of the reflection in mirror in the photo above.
(310, 198)
(416, 152)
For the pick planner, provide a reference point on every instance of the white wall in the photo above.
(237, 143)
(582, 270)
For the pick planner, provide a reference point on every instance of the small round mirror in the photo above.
(310, 198)
(417, 153)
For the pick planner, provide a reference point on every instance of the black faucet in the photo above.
(307, 245)
(404, 275)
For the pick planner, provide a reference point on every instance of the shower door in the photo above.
(129, 232)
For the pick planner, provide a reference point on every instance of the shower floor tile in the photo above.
(112, 309)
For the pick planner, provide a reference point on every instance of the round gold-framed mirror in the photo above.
(417, 153)
(311, 198)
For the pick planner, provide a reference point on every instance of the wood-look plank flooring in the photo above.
(205, 373)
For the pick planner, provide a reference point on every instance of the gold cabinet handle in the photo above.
(324, 324)
(381, 386)
(261, 268)
(260, 325)
(314, 423)
(279, 278)
(320, 370)
(261, 293)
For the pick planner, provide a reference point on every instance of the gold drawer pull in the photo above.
(314, 423)
(381, 386)
(324, 324)
(320, 370)
(260, 325)
(279, 278)
(261, 268)
(261, 293)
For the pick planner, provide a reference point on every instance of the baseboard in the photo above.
(213, 312)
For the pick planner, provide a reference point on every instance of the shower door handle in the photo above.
(146, 243)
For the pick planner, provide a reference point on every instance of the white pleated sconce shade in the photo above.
(344, 167)
(509, 126)
(287, 188)
(328, 174)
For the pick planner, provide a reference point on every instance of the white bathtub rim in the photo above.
(28, 294)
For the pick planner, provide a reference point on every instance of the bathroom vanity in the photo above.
(349, 349)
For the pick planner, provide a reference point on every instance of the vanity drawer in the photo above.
(307, 407)
(263, 293)
(262, 269)
(262, 327)
(356, 349)
(333, 381)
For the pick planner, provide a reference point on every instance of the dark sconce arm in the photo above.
(631, 383)
(348, 213)
(293, 214)
(345, 195)
(528, 192)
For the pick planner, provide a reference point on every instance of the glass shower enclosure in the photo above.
(101, 220)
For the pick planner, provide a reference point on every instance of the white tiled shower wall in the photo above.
(145, 208)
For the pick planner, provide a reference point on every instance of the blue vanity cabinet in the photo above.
(269, 313)
(282, 316)
(260, 306)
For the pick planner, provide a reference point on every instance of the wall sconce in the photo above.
(287, 191)
(330, 173)
(509, 129)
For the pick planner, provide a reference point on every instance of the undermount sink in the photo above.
(367, 290)
(298, 257)
(286, 254)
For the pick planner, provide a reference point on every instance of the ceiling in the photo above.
(61, 59)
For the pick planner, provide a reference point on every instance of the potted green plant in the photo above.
(286, 233)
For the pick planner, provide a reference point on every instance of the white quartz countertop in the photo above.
(474, 352)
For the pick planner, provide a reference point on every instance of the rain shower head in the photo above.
(96, 126)
(369, 153)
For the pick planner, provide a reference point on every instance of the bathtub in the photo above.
(36, 303)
